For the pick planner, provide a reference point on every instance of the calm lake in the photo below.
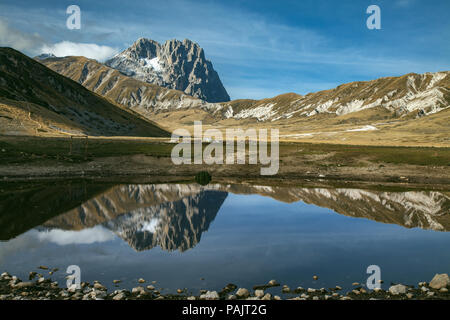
(189, 236)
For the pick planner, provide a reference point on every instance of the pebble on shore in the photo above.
(12, 288)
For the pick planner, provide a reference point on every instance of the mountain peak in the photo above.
(179, 65)
(44, 56)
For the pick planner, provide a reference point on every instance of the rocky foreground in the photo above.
(12, 288)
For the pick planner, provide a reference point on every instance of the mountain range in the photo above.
(170, 85)
(378, 109)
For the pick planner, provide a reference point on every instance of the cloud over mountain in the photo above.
(88, 50)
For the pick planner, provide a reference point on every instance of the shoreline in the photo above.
(13, 288)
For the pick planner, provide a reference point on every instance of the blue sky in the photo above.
(259, 48)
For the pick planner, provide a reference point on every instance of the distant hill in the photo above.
(35, 100)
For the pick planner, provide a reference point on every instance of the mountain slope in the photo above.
(174, 64)
(408, 110)
(416, 94)
(37, 100)
(144, 98)
(411, 95)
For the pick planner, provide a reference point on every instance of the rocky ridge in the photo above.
(179, 65)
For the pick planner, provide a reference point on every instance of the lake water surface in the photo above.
(188, 236)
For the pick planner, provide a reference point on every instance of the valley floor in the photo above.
(34, 157)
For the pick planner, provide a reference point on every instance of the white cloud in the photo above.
(88, 50)
(85, 236)
(35, 239)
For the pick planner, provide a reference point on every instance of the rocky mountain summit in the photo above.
(175, 65)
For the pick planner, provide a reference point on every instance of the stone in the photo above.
(72, 288)
(138, 290)
(276, 298)
(424, 289)
(242, 293)
(141, 280)
(355, 284)
(259, 293)
(440, 281)
(286, 289)
(273, 282)
(231, 297)
(119, 296)
(99, 286)
(179, 291)
(191, 298)
(210, 295)
(267, 296)
(315, 278)
(430, 293)
(338, 288)
(409, 295)
(443, 290)
(43, 267)
(24, 284)
(150, 287)
(117, 281)
(311, 290)
(398, 289)
(315, 298)
(41, 280)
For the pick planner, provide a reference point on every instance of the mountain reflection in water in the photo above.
(246, 234)
(174, 216)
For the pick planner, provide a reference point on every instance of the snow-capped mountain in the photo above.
(174, 64)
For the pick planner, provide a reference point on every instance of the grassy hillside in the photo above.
(36, 100)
